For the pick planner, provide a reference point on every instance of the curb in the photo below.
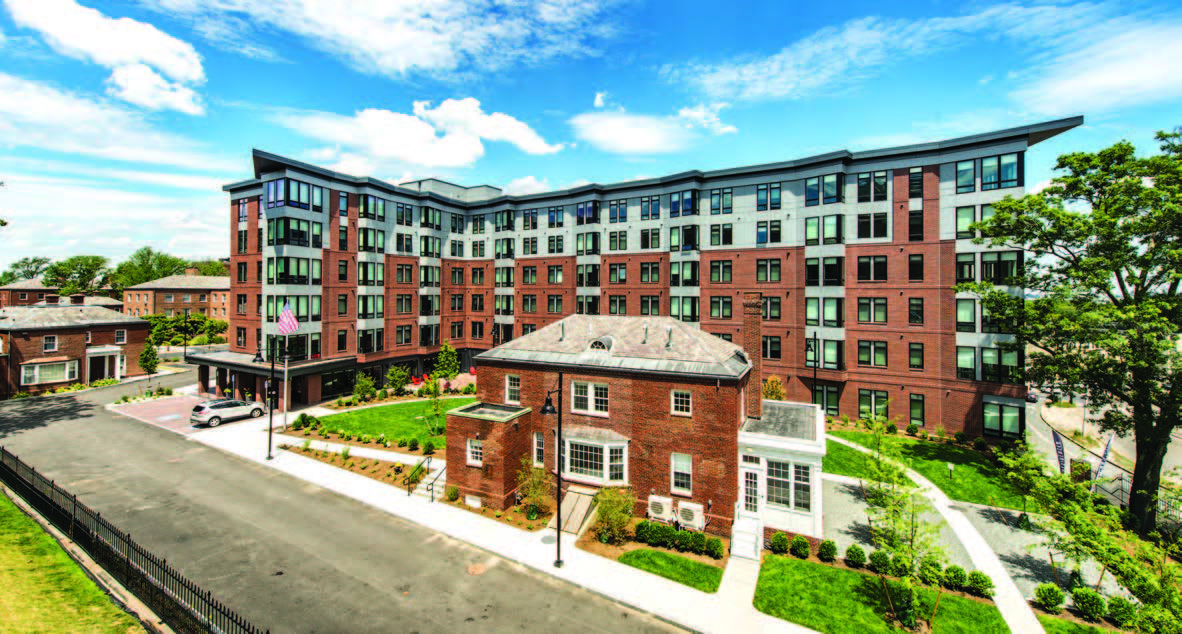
(119, 595)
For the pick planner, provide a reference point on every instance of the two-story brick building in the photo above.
(649, 403)
(180, 294)
(85, 300)
(25, 293)
(45, 347)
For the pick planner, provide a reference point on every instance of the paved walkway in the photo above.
(729, 610)
(1008, 599)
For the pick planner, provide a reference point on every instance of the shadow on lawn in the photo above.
(869, 593)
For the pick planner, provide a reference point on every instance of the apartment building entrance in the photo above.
(102, 362)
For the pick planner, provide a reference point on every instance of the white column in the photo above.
(118, 374)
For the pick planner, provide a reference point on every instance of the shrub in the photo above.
(453, 493)
(401, 442)
(396, 379)
(961, 437)
(779, 543)
(300, 422)
(912, 429)
(773, 389)
(1155, 618)
(307, 445)
(855, 557)
(363, 388)
(714, 547)
(955, 578)
(827, 551)
(428, 447)
(880, 562)
(980, 444)
(365, 438)
(345, 453)
(665, 536)
(922, 434)
(900, 567)
(890, 429)
(615, 513)
(981, 585)
(340, 402)
(1089, 603)
(1123, 611)
(383, 394)
(412, 444)
(21, 395)
(1049, 597)
(382, 439)
(931, 571)
(641, 532)
(469, 389)
(799, 547)
(683, 541)
(699, 543)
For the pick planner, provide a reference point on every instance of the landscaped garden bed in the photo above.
(516, 516)
(394, 473)
(691, 558)
(403, 427)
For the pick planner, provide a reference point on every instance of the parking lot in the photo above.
(171, 413)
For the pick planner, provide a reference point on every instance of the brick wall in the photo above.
(24, 346)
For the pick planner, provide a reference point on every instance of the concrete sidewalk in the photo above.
(729, 610)
(1008, 599)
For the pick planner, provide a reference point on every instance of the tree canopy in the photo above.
(28, 268)
(85, 274)
(209, 267)
(1102, 309)
(146, 265)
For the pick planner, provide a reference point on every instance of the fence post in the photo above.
(73, 514)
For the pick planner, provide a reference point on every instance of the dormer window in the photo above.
(602, 344)
(598, 345)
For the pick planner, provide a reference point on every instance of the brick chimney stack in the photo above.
(753, 345)
(191, 271)
(77, 299)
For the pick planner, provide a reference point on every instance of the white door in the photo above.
(750, 492)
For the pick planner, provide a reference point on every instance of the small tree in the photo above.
(447, 365)
(396, 379)
(885, 461)
(901, 529)
(616, 505)
(149, 360)
(437, 418)
(773, 389)
(363, 389)
(533, 483)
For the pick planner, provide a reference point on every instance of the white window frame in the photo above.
(187, 298)
(120, 336)
(606, 446)
(592, 398)
(87, 336)
(71, 372)
(478, 445)
(45, 343)
(168, 298)
(793, 466)
(539, 449)
(673, 402)
(509, 388)
(673, 488)
(24, 296)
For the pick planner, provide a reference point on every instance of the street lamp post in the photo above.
(271, 395)
(547, 410)
(185, 354)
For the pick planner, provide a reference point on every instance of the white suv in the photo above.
(213, 413)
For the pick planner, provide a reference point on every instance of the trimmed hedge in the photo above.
(666, 536)
(1050, 597)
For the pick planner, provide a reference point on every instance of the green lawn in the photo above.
(845, 461)
(398, 420)
(840, 601)
(43, 590)
(1062, 626)
(974, 478)
(683, 570)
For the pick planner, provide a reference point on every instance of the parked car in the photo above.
(1031, 397)
(215, 412)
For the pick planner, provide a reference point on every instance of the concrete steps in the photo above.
(746, 539)
(440, 485)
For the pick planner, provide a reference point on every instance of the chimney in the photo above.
(753, 346)
(191, 271)
(77, 299)
(52, 300)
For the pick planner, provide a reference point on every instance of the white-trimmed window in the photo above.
(24, 296)
(682, 481)
(595, 462)
(513, 389)
(539, 449)
(87, 336)
(475, 452)
(34, 373)
(120, 336)
(188, 298)
(589, 398)
(789, 485)
(49, 343)
(168, 298)
(682, 402)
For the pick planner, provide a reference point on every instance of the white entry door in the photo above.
(750, 492)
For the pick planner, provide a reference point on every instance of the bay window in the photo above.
(594, 461)
(34, 373)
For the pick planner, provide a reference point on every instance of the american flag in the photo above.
(287, 321)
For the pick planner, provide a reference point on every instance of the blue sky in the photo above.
(119, 121)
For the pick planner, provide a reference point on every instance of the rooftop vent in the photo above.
(669, 342)
(561, 331)
(645, 334)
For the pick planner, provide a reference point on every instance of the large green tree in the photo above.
(145, 265)
(1102, 311)
(210, 267)
(78, 274)
(28, 268)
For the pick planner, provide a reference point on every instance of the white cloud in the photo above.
(397, 38)
(527, 185)
(620, 132)
(450, 135)
(600, 99)
(962, 124)
(40, 115)
(138, 84)
(139, 54)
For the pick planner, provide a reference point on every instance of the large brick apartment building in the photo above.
(179, 294)
(856, 254)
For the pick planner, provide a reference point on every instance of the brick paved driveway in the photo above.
(171, 413)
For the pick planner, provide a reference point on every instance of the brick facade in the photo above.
(26, 345)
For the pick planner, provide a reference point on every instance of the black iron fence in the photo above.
(1117, 488)
(177, 601)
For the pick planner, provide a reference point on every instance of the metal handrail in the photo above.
(431, 484)
(425, 463)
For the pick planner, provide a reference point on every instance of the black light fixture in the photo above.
(258, 355)
(548, 409)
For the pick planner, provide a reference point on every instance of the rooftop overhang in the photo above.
(242, 362)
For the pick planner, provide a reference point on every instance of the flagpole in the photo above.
(286, 391)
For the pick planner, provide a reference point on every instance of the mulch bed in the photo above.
(388, 400)
(305, 434)
(1071, 615)
(514, 516)
(392, 473)
(590, 543)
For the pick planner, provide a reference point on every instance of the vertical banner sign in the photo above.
(1059, 451)
(1103, 460)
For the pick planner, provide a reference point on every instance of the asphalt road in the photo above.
(286, 554)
